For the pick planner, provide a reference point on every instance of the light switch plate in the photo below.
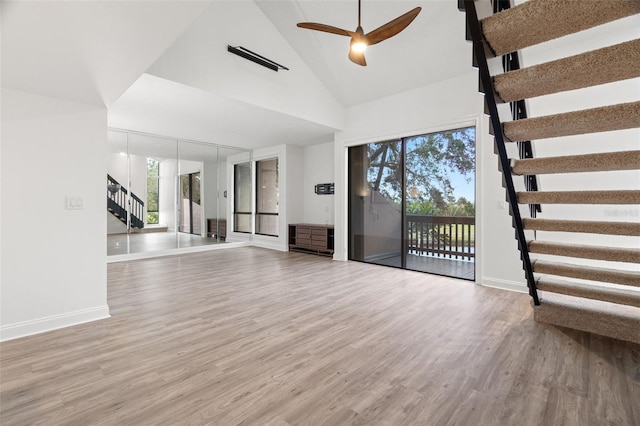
(74, 203)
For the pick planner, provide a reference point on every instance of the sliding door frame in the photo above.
(476, 124)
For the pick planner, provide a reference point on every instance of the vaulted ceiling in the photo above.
(162, 67)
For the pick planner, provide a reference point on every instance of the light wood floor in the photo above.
(257, 337)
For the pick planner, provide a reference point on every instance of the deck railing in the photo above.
(450, 237)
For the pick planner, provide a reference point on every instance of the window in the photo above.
(153, 185)
(267, 202)
(242, 197)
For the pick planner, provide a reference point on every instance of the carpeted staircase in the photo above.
(582, 286)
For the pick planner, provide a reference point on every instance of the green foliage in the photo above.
(152, 218)
(153, 179)
(431, 162)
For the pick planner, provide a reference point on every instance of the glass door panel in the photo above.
(375, 194)
(440, 202)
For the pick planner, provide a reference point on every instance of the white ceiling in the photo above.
(90, 52)
(418, 56)
(87, 52)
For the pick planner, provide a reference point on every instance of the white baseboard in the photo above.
(273, 245)
(519, 287)
(53, 322)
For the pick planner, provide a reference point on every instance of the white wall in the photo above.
(607, 94)
(294, 177)
(223, 202)
(53, 259)
(209, 191)
(167, 194)
(318, 168)
(448, 104)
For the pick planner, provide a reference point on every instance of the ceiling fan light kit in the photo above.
(359, 40)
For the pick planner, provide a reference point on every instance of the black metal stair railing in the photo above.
(117, 201)
(511, 62)
(486, 84)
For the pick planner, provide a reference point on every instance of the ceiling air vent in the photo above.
(254, 57)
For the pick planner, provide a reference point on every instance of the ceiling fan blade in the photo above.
(325, 28)
(393, 27)
(357, 57)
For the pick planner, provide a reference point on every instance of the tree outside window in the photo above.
(153, 184)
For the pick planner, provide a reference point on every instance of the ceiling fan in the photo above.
(359, 40)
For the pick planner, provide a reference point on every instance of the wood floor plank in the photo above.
(249, 336)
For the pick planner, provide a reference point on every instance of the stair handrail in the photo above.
(479, 44)
(511, 62)
(118, 198)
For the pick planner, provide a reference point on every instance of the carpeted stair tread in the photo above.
(613, 63)
(584, 226)
(538, 21)
(580, 197)
(620, 296)
(600, 162)
(593, 316)
(605, 275)
(614, 254)
(594, 120)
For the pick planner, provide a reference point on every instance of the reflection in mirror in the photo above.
(164, 194)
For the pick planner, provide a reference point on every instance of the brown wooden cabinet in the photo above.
(311, 238)
(217, 228)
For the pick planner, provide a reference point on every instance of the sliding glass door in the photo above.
(190, 206)
(412, 203)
